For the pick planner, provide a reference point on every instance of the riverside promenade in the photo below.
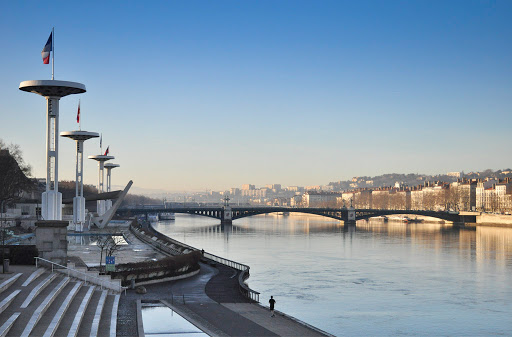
(39, 302)
(212, 301)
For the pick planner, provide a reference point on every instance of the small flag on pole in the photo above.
(78, 113)
(106, 152)
(47, 49)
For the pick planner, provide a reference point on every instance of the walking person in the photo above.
(272, 301)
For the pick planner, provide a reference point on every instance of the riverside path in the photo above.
(211, 300)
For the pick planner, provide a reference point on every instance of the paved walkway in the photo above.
(211, 301)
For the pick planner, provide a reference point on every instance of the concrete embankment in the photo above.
(497, 220)
(213, 301)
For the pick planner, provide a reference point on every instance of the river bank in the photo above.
(214, 300)
(496, 220)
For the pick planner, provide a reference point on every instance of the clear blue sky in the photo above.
(193, 95)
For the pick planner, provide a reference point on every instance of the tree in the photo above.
(13, 179)
(102, 244)
(109, 245)
(14, 174)
(114, 245)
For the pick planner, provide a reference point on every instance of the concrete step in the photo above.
(38, 272)
(49, 313)
(10, 281)
(41, 304)
(97, 315)
(85, 328)
(4, 329)
(8, 300)
(113, 317)
(26, 313)
(74, 314)
(106, 321)
(38, 289)
(43, 307)
(57, 319)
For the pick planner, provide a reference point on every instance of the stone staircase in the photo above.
(39, 303)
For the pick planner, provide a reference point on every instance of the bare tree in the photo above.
(114, 245)
(102, 243)
(109, 245)
(13, 174)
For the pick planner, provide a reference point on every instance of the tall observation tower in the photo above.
(53, 91)
(101, 159)
(109, 167)
(79, 201)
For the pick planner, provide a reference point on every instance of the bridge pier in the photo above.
(226, 216)
(351, 217)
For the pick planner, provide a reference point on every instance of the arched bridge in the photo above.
(334, 213)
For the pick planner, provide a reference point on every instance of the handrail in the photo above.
(99, 280)
(244, 289)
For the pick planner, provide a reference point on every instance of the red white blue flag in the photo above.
(78, 113)
(106, 152)
(48, 47)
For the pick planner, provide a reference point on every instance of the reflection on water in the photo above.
(92, 240)
(376, 279)
(494, 243)
(162, 321)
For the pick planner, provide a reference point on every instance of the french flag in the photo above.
(78, 113)
(47, 49)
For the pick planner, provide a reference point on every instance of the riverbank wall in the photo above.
(496, 220)
(145, 232)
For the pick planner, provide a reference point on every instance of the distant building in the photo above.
(319, 199)
(380, 198)
(274, 187)
(503, 191)
(454, 174)
(481, 194)
(400, 199)
(346, 199)
(296, 201)
(248, 187)
(295, 189)
(363, 199)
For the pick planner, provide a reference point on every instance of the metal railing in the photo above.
(244, 274)
(71, 271)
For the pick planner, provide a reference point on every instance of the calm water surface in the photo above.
(378, 279)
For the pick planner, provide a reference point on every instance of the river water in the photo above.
(377, 279)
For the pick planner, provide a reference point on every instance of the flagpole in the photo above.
(53, 50)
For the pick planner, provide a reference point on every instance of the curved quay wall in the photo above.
(170, 246)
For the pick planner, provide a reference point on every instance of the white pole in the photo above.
(53, 50)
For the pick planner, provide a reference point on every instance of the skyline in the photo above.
(297, 93)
